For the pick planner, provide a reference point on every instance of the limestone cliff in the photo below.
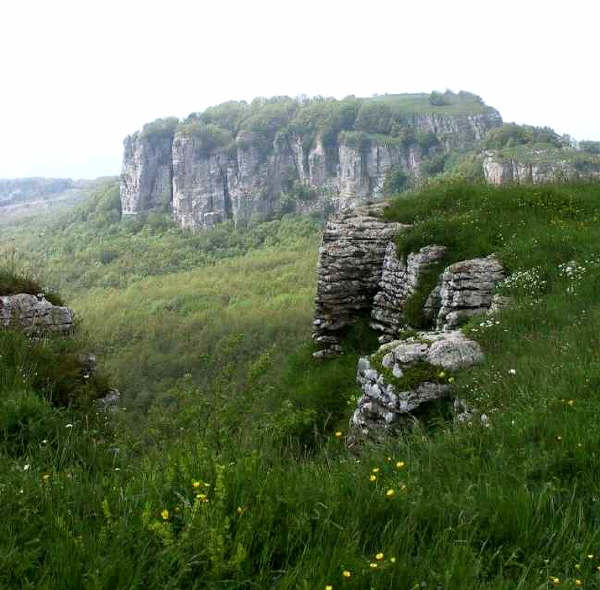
(147, 174)
(245, 162)
(540, 166)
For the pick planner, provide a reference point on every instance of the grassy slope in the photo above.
(288, 507)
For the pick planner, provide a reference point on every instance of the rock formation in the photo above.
(399, 279)
(211, 170)
(147, 174)
(540, 167)
(34, 315)
(402, 377)
(467, 289)
(349, 270)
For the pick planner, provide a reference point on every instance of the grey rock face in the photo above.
(499, 170)
(245, 181)
(467, 289)
(146, 177)
(399, 280)
(34, 315)
(349, 270)
(382, 406)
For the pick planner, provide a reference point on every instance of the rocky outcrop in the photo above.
(539, 167)
(34, 315)
(399, 279)
(402, 377)
(467, 289)
(349, 271)
(212, 173)
(147, 172)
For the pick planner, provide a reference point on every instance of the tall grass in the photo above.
(126, 504)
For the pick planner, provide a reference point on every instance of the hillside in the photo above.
(224, 467)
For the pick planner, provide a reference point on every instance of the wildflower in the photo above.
(571, 402)
(578, 582)
(373, 565)
(590, 556)
(390, 493)
(346, 574)
(338, 434)
(512, 371)
(400, 464)
(392, 560)
(328, 587)
(554, 580)
(202, 497)
(240, 510)
(372, 478)
(379, 556)
(450, 379)
(559, 438)
(46, 476)
(68, 426)
(196, 484)
(45, 441)
(442, 374)
(26, 467)
(577, 566)
(375, 470)
(165, 514)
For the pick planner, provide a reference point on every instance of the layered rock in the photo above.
(34, 315)
(540, 167)
(147, 172)
(349, 271)
(402, 377)
(467, 289)
(241, 178)
(399, 279)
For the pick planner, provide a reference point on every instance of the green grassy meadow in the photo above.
(225, 466)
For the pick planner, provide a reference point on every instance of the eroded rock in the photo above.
(34, 315)
(349, 270)
(418, 367)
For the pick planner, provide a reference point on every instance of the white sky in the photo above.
(77, 76)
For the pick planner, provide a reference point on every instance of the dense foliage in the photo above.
(241, 479)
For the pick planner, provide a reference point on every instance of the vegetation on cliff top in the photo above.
(242, 480)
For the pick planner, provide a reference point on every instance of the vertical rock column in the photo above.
(399, 280)
(349, 271)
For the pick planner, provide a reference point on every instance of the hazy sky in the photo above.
(77, 76)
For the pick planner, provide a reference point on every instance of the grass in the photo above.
(511, 506)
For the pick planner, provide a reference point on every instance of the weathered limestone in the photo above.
(399, 280)
(34, 315)
(467, 289)
(540, 167)
(387, 401)
(146, 177)
(350, 265)
(242, 179)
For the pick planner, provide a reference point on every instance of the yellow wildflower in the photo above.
(379, 556)
(346, 574)
(590, 556)
(165, 514)
(578, 583)
(338, 434)
(392, 560)
(240, 510)
(577, 566)
(372, 478)
(571, 402)
(375, 470)
(450, 379)
(554, 580)
(373, 565)
(328, 587)
(400, 464)
(196, 484)
(390, 493)
(46, 476)
(442, 374)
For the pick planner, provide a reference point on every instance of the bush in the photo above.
(395, 181)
